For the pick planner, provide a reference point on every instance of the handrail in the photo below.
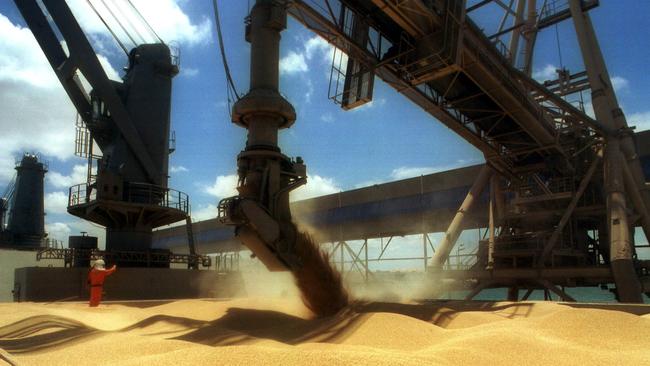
(150, 257)
(141, 193)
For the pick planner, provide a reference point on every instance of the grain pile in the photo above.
(274, 331)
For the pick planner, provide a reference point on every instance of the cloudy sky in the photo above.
(386, 140)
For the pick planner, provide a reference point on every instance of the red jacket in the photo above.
(96, 276)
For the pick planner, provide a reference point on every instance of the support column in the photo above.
(609, 113)
(627, 282)
(342, 258)
(494, 181)
(516, 33)
(365, 248)
(455, 228)
(263, 112)
(424, 248)
(531, 37)
(513, 293)
(603, 97)
(636, 197)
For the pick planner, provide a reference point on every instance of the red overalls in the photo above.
(96, 281)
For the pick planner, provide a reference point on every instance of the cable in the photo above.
(559, 50)
(135, 44)
(151, 30)
(109, 28)
(128, 21)
(9, 191)
(221, 48)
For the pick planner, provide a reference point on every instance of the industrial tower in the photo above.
(22, 206)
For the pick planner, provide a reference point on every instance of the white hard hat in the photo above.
(99, 263)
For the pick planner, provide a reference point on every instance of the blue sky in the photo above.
(387, 140)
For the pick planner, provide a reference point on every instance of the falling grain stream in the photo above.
(319, 283)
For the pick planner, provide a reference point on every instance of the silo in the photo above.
(26, 217)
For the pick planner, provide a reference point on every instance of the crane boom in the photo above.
(82, 58)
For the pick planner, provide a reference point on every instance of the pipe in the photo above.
(455, 228)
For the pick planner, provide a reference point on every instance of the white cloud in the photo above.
(178, 169)
(296, 60)
(35, 113)
(58, 231)
(317, 45)
(405, 172)
(61, 230)
(224, 186)
(640, 120)
(548, 72)
(111, 73)
(620, 83)
(589, 108)
(166, 18)
(410, 172)
(310, 90)
(316, 186)
(56, 202)
(327, 117)
(189, 71)
(370, 105)
(293, 63)
(204, 212)
(78, 175)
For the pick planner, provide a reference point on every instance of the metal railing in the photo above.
(81, 194)
(150, 258)
(555, 185)
(18, 162)
(156, 195)
(142, 193)
(227, 262)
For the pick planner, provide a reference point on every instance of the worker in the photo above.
(96, 277)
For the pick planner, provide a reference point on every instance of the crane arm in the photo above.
(82, 58)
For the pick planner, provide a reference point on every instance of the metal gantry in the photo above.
(566, 189)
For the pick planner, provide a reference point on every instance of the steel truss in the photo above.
(560, 182)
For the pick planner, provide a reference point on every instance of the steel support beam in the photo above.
(569, 211)
(477, 289)
(606, 107)
(516, 32)
(608, 112)
(531, 37)
(627, 282)
(637, 199)
(455, 228)
(494, 181)
(599, 274)
(559, 292)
